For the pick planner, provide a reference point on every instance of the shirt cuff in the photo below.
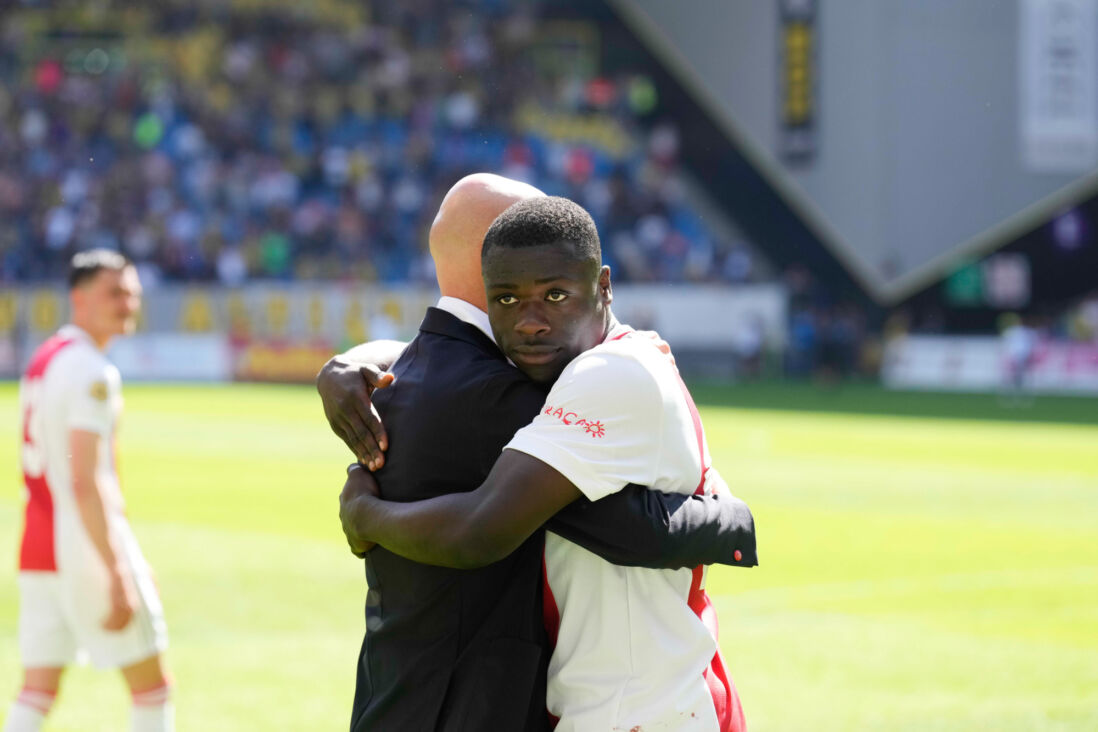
(89, 424)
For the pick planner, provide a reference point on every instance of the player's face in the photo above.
(546, 306)
(112, 300)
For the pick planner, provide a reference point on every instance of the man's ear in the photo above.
(605, 290)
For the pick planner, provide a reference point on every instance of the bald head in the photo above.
(457, 234)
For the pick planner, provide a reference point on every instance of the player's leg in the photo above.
(46, 645)
(152, 700)
(35, 699)
(135, 649)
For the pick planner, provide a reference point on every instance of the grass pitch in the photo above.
(917, 572)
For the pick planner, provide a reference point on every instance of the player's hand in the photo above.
(345, 391)
(659, 342)
(359, 483)
(123, 596)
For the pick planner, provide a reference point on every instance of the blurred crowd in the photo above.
(1079, 321)
(230, 141)
(829, 339)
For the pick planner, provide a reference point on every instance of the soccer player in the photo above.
(466, 650)
(636, 648)
(83, 582)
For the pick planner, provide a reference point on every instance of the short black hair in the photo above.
(86, 265)
(545, 220)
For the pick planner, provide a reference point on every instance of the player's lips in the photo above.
(534, 355)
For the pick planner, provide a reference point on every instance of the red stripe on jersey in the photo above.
(726, 700)
(45, 353)
(36, 552)
(550, 612)
(550, 618)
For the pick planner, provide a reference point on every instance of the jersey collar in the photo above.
(75, 331)
(467, 313)
(616, 330)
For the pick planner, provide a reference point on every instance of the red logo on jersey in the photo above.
(595, 428)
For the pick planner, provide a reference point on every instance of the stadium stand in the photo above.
(252, 140)
(254, 143)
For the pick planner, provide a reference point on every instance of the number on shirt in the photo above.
(34, 459)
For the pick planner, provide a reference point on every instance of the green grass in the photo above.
(917, 573)
(869, 398)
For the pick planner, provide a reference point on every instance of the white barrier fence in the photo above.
(284, 333)
(979, 364)
(173, 357)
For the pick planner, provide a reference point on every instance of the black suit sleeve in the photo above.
(638, 527)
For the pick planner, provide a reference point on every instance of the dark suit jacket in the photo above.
(449, 649)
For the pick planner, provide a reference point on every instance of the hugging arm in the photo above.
(345, 384)
(635, 527)
(462, 530)
(639, 527)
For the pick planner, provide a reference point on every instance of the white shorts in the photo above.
(61, 613)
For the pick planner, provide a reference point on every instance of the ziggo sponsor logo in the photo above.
(594, 428)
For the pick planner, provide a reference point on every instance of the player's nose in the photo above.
(531, 321)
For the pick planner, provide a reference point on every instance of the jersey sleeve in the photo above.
(92, 394)
(600, 425)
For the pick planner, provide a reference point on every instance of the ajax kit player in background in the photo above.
(83, 582)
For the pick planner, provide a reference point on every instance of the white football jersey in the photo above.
(69, 384)
(632, 650)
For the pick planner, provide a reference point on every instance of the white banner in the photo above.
(980, 364)
(704, 317)
(172, 357)
(1058, 80)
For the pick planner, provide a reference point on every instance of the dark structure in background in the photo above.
(934, 182)
(724, 171)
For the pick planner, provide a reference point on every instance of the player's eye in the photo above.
(506, 299)
(557, 296)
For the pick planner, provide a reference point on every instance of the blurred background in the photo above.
(825, 206)
(846, 190)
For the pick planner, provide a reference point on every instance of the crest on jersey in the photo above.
(595, 429)
(99, 391)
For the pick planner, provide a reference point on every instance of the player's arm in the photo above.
(462, 530)
(639, 527)
(88, 491)
(522, 490)
(636, 527)
(623, 522)
(345, 384)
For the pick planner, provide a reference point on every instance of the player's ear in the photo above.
(605, 291)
